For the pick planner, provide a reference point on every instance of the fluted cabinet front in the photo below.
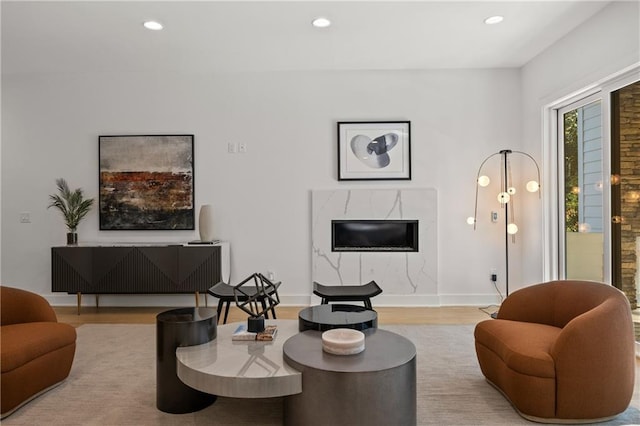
(134, 269)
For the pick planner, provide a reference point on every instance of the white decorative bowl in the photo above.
(343, 341)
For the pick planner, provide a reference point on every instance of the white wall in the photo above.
(51, 123)
(604, 45)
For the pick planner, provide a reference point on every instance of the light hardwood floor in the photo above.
(386, 315)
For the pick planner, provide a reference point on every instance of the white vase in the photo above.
(205, 222)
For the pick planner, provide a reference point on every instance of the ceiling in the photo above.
(236, 36)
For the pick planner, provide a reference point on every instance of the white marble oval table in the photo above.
(240, 369)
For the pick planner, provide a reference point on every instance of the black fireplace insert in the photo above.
(374, 235)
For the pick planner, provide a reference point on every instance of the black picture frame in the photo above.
(146, 182)
(374, 150)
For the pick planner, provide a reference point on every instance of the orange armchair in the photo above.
(36, 351)
(561, 351)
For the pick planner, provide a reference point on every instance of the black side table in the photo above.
(327, 317)
(177, 328)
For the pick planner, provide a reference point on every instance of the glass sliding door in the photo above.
(582, 219)
(625, 190)
(598, 203)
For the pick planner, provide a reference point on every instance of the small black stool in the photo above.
(347, 293)
(225, 294)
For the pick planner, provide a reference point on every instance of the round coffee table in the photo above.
(330, 316)
(241, 369)
(376, 387)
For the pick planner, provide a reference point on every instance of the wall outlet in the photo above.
(493, 275)
(271, 275)
(494, 217)
(232, 148)
(242, 148)
(25, 217)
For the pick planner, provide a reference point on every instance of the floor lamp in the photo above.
(506, 197)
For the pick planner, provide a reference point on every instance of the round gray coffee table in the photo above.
(374, 387)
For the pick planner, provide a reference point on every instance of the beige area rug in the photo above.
(112, 382)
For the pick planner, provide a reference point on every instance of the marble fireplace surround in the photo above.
(406, 278)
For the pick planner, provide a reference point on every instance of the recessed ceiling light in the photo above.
(153, 25)
(321, 22)
(494, 20)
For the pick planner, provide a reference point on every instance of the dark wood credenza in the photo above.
(135, 269)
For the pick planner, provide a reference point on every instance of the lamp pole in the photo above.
(505, 185)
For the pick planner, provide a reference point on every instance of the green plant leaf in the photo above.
(71, 204)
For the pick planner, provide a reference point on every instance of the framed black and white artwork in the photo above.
(374, 150)
(146, 182)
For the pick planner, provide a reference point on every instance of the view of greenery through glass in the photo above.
(583, 192)
(571, 188)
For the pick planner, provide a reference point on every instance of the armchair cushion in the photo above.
(524, 347)
(22, 343)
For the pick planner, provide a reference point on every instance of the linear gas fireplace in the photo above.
(374, 235)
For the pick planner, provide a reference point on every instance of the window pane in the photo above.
(583, 192)
(625, 194)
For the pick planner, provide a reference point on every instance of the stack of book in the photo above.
(268, 334)
(241, 333)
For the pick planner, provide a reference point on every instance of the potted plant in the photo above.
(73, 207)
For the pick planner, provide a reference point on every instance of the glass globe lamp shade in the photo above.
(511, 190)
(503, 197)
(471, 220)
(533, 186)
(512, 228)
(484, 181)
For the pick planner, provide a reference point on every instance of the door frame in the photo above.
(553, 244)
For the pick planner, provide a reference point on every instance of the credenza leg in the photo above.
(97, 301)
(197, 299)
(79, 295)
